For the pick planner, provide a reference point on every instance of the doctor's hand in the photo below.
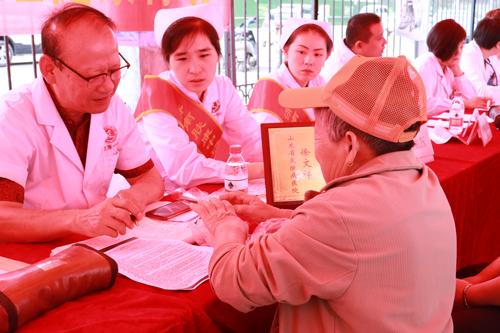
(252, 209)
(110, 217)
(255, 170)
(476, 102)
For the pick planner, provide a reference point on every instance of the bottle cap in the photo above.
(235, 149)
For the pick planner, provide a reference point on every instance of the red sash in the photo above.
(265, 99)
(159, 95)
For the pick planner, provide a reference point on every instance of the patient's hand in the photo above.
(251, 209)
(255, 170)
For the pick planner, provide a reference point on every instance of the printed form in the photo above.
(167, 264)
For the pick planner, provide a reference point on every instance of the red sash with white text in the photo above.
(159, 95)
(265, 99)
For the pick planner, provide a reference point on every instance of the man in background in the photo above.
(364, 36)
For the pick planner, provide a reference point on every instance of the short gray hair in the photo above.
(337, 128)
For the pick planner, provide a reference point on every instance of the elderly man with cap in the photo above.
(306, 45)
(375, 250)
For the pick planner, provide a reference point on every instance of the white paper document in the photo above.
(146, 228)
(7, 265)
(167, 264)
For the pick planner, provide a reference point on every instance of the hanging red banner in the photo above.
(26, 16)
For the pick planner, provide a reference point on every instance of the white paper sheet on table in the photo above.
(438, 126)
(146, 228)
(7, 265)
(167, 264)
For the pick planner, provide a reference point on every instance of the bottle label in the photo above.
(237, 184)
(456, 122)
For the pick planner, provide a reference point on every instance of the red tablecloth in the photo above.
(129, 306)
(468, 174)
(470, 177)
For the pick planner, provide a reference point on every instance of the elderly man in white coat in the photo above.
(65, 135)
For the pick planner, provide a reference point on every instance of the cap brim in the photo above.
(301, 98)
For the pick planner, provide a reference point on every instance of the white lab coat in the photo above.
(177, 158)
(38, 153)
(472, 63)
(341, 55)
(283, 76)
(441, 86)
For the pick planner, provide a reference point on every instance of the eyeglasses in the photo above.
(493, 80)
(96, 80)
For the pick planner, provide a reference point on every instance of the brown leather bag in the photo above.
(30, 291)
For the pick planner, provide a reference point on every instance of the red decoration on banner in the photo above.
(26, 16)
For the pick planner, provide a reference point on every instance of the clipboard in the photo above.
(290, 167)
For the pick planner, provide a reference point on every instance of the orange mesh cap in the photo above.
(379, 96)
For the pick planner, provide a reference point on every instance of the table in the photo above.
(470, 177)
(468, 174)
(130, 306)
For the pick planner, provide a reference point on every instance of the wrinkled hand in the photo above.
(250, 208)
(476, 102)
(214, 212)
(111, 217)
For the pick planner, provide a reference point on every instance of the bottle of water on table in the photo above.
(457, 111)
(235, 171)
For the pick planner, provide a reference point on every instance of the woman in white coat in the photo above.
(306, 45)
(440, 69)
(479, 56)
(186, 114)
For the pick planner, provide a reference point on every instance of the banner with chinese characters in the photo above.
(26, 16)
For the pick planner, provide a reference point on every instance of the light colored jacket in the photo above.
(374, 252)
(37, 151)
(441, 86)
(472, 63)
(177, 158)
(341, 55)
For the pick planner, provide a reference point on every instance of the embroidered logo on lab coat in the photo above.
(112, 133)
(216, 106)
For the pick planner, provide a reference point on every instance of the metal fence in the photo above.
(251, 44)
(406, 22)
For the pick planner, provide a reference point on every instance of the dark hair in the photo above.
(487, 33)
(61, 19)
(444, 38)
(187, 27)
(494, 13)
(337, 128)
(311, 27)
(358, 28)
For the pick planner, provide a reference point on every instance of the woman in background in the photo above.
(306, 45)
(440, 69)
(477, 299)
(187, 114)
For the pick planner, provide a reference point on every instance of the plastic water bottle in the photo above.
(457, 111)
(235, 171)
